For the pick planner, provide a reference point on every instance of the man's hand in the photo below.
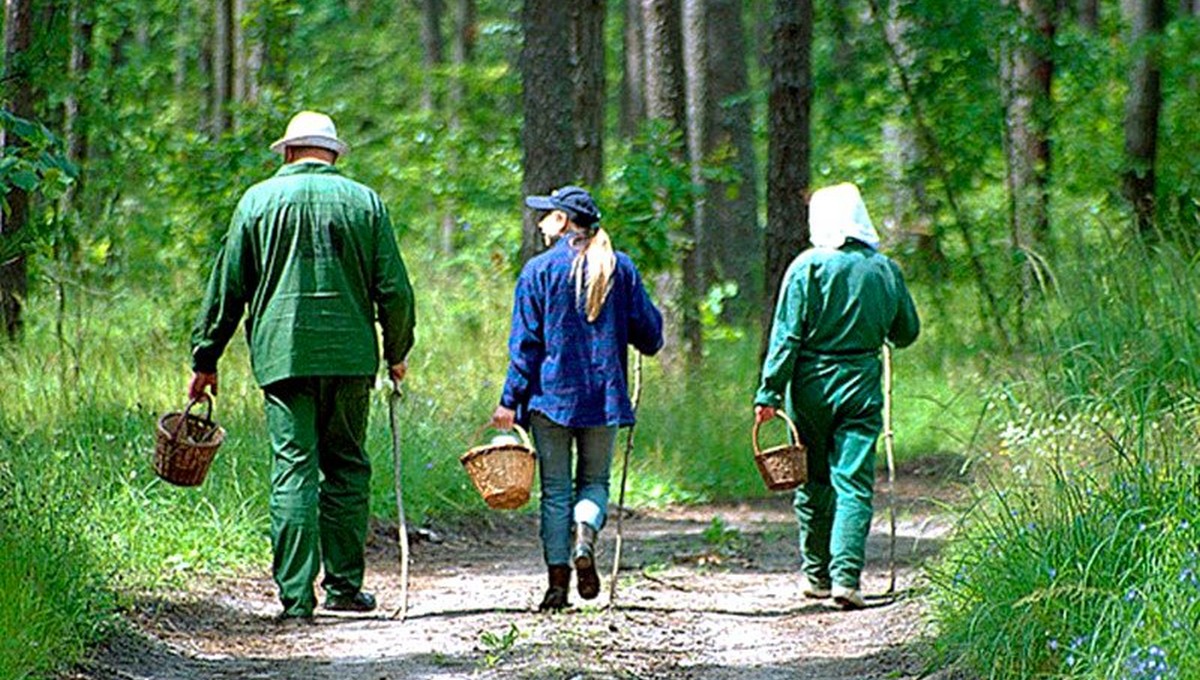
(200, 382)
(398, 371)
(503, 418)
(763, 413)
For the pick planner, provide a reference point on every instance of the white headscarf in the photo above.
(837, 213)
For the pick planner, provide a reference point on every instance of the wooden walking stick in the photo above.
(394, 400)
(891, 463)
(637, 395)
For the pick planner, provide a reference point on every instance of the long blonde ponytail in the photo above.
(596, 262)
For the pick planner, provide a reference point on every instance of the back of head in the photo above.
(837, 213)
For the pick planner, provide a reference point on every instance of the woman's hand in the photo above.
(763, 413)
(503, 418)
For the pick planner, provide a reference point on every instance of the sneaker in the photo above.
(848, 598)
(816, 590)
(358, 602)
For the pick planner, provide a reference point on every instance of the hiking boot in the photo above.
(586, 578)
(816, 589)
(358, 602)
(555, 598)
(848, 598)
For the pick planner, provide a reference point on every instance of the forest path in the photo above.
(698, 598)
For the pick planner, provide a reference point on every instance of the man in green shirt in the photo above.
(840, 300)
(311, 259)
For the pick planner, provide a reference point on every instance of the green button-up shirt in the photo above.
(311, 257)
(835, 307)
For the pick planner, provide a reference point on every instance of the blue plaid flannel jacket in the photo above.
(563, 367)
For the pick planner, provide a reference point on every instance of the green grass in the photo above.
(1081, 559)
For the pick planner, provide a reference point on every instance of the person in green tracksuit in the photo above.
(311, 258)
(839, 302)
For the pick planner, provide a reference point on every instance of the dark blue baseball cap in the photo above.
(573, 200)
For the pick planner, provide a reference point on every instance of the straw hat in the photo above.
(309, 128)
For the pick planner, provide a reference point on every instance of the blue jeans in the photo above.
(566, 500)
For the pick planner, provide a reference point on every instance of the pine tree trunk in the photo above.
(1027, 73)
(462, 46)
(789, 131)
(633, 66)
(666, 100)
(222, 66)
(17, 98)
(912, 208)
(1088, 14)
(548, 132)
(732, 238)
(698, 98)
(431, 44)
(1142, 104)
(587, 51)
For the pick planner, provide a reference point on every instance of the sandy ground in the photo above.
(692, 602)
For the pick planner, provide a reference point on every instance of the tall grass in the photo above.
(1081, 562)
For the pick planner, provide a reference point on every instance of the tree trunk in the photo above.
(1088, 14)
(18, 98)
(222, 66)
(912, 208)
(732, 238)
(1142, 104)
(183, 21)
(666, 100)
(75, 135)
(548, 131)
(698, 108)
(633, 66)
(462, 46)
(587, 51)
(1027, 73)
(462, 50)
(237, 32)
(431, 44)
(789, 103)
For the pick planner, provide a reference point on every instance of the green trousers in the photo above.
(837, 407)
(320, 486)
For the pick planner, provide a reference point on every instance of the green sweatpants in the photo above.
(837, 406)
(320, 486)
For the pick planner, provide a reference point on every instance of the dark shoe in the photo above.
(556, 595)
(358, 602)
(587, 580)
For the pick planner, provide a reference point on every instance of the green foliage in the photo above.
(55, 603)
(1081, 562)
(38, 166)
(652, 196)
(1084, 578)
(497, 645)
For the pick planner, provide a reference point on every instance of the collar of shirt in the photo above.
(307, 165)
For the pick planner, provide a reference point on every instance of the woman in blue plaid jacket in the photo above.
(577, 308)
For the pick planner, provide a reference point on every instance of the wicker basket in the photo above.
(185, 445)
(503, 473)
(782, 467)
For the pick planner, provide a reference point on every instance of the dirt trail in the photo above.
(696, 599)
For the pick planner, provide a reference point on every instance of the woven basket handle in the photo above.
(520, 431)
(795, 435)
(187, 411)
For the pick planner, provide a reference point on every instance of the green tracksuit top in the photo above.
(836, 308)
(311, 256)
